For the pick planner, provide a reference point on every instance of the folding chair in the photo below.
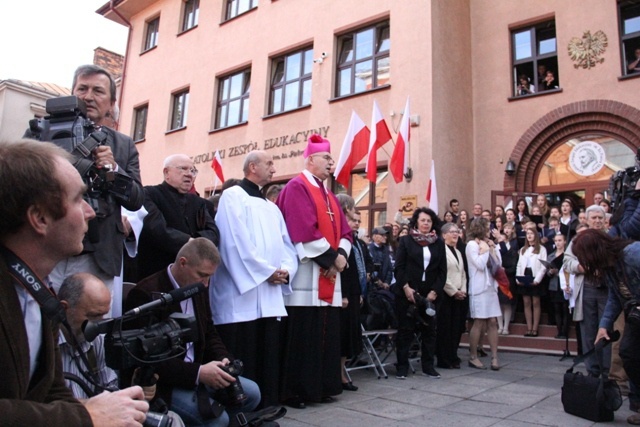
(416, 350)
(369, 339)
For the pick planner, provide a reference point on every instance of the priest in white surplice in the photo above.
(258, 263)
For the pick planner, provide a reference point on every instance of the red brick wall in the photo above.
(110, 61)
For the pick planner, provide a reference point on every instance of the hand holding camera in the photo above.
(213, 374)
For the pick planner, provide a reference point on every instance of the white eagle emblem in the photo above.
(585, 50)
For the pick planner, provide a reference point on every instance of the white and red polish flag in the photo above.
(216, 165)
(399, 163)
(432, 191)
(354, 148)
(380, 135)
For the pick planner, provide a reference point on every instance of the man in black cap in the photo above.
(382, 274)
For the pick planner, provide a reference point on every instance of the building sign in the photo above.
(408, 205)
(289, 145)
(587, 158)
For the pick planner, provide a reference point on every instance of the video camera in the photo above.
(152, 344)
(68, 127)
(144, 347)
(624, 182)
(422, 307)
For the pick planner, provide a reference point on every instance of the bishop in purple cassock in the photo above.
(322, 238)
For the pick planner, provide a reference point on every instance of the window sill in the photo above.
(170, 131)
(282, 113)
(138, 141)
(229, 127)
(534, 95)
(629, 76)
(148, 50)
(353, 95)
(187, 30)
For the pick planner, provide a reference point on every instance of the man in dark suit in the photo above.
(175, 217)
(43, 219)
(102, 252)
(195, 262)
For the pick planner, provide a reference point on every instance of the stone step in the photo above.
(544, 343)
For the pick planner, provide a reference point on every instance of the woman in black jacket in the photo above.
(421, 272)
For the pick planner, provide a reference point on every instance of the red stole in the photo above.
(329, 226)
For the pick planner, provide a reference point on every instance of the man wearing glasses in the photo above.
(321, 234)
(175, 216)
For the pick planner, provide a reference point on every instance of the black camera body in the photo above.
(423, 311)
(623, 183)
(68, 127)
(375, 274)
(233, 395)
(153, 344)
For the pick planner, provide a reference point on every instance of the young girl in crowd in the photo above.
(529, 275)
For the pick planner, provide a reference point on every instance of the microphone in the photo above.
(175, 295)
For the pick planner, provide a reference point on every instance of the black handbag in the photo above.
(589, 397)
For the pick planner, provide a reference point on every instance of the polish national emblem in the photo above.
(585, 51)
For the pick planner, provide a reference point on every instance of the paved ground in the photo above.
(525, 392)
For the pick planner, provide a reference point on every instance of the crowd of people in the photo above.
(290, 282)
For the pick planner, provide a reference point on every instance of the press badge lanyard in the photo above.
(50, 305)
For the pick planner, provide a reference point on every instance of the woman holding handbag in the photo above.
(484, 306)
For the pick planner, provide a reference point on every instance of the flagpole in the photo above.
(215, 183)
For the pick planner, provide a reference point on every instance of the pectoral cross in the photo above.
(330, 213)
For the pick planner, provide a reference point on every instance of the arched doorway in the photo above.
(556, 178)
(613, 125)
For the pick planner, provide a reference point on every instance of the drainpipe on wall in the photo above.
(126, 55)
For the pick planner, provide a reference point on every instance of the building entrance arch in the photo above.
(600, 120)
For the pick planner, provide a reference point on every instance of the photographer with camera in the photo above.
(418, 288)
(196, 386)
(43, 219)
(616, 262)
(103, 244)
(85, 297)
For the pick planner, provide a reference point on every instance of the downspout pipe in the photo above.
(126, 56)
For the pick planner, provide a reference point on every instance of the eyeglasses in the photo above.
(327, 157)
(186, 169)
(454, 231)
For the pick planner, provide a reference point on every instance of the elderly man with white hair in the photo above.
(590, 296)
(176, 215)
